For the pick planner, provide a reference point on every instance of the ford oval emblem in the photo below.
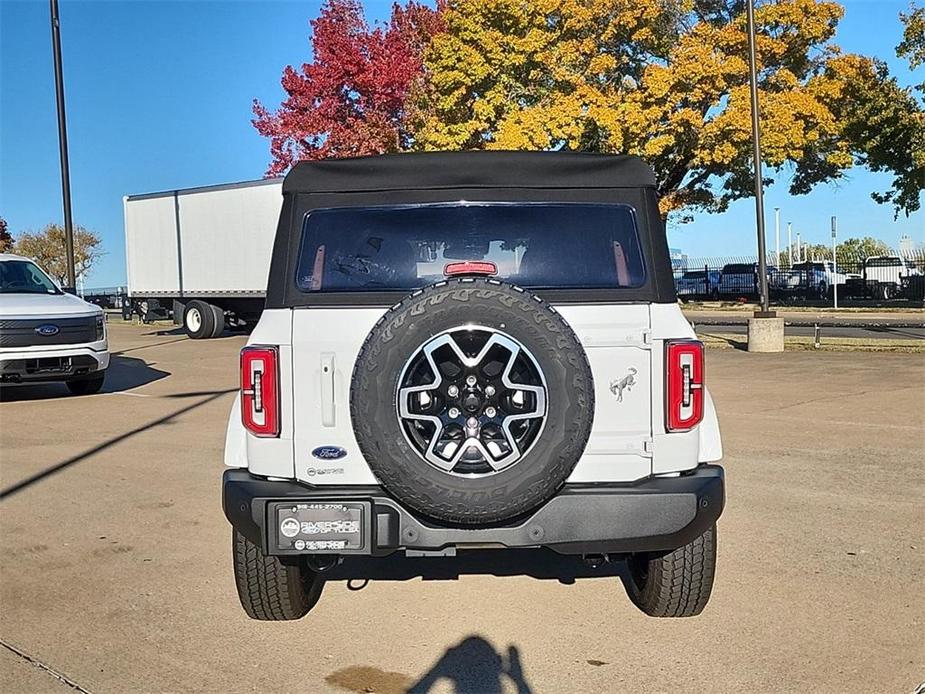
(329, 452)
(47, 330)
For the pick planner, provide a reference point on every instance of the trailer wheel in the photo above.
(218, 321)
(198, 320)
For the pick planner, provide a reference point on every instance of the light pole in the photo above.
(777, 237)
(756, 155)
(799, 251)
(62, 144)
(834, 265)
(789, 244)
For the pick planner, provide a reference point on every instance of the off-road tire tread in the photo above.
(679, 583)
(270, 590)
(434, 296)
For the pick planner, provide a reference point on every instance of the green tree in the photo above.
(855, 250)
(6, 239)
(887, 126)
(849, 253)
(912, 47)
(667, 80)
(48, 248)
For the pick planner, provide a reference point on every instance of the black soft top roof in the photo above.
(478, 169)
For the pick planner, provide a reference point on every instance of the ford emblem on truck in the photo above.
(329, 452)
(47, 330)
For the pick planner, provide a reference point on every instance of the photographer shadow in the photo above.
(474, 665)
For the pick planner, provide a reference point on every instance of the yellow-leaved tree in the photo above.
(664, 79)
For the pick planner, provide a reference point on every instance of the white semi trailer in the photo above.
(201, 255)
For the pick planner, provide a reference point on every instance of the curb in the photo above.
(811, 323)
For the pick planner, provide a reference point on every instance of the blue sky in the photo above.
(159, 97)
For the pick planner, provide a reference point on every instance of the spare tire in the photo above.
(472, 401)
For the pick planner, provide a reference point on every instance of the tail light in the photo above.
(260, 390)
(684, 384)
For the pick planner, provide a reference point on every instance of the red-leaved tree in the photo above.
(351, 100)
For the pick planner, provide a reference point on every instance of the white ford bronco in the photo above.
(469, 351)
(47, 334)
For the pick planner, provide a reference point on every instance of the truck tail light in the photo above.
(260, 390)
(684, 384)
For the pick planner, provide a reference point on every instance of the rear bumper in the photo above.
(655, 514)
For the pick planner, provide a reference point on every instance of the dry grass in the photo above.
(736, 307)
(826, 344)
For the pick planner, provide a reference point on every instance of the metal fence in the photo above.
(105, 297)
(881, 279)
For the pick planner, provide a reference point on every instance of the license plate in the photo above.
(321, 527)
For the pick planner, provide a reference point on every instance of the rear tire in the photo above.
(198, 320)
(87, 386)
(270, 590)
(218, 320)
(677, 584)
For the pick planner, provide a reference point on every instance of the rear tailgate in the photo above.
(325, 344)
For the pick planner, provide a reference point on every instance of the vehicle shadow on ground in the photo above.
(473, 666)
(731, 341)
(89, 453)
(543, 564)
(179, 331)
(124, 373)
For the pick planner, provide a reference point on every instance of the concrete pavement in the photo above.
(116, 556)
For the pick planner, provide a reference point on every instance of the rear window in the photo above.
(535, 245)
(695, 275)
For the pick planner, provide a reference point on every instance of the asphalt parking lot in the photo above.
(116, 569)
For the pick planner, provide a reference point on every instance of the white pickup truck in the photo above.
(472, 351)
(889, 276)
(47, 334)
(814, 277)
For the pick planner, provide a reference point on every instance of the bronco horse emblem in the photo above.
(625, 383)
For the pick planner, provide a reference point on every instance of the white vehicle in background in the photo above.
(46, 334)
(889, 276)
(819, 276)
(698, 284)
